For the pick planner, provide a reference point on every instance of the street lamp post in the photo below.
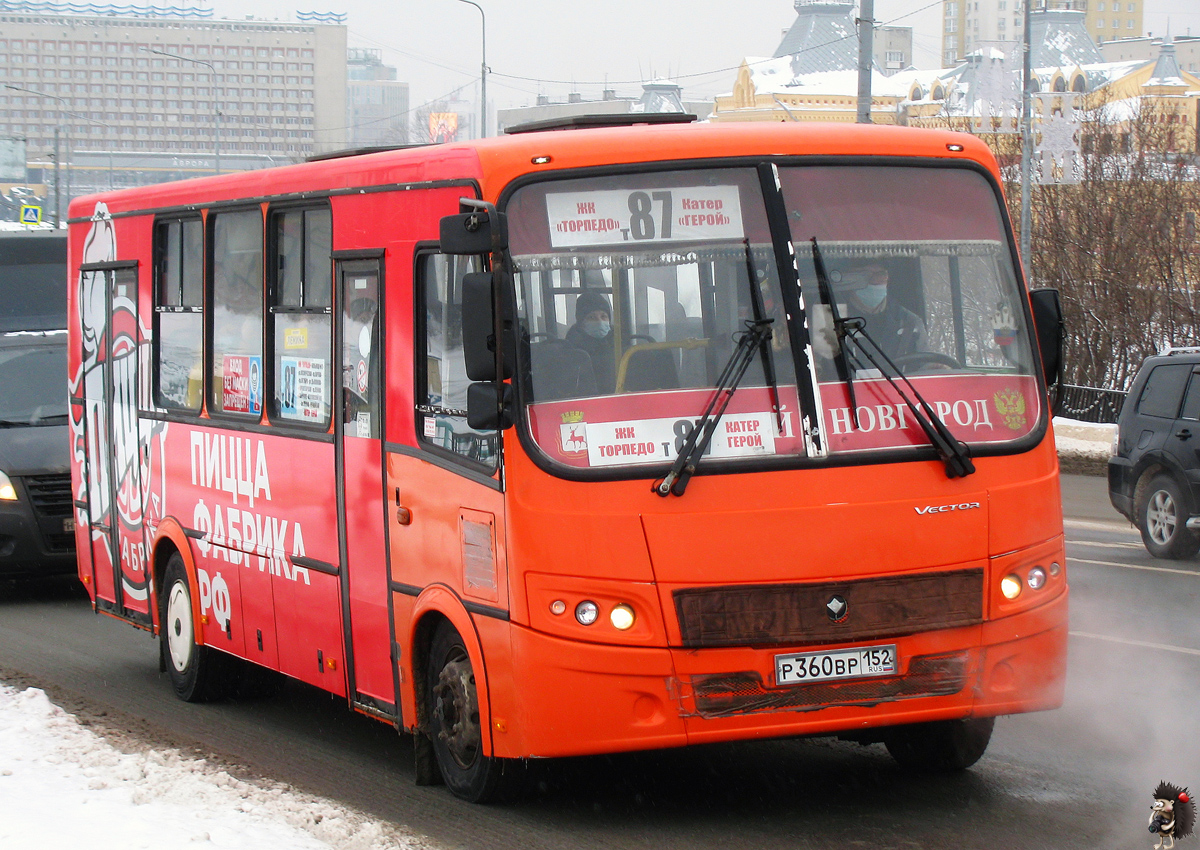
(483, 69)
(216, 109)
(62, 112)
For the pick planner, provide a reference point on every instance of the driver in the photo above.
(896, 329)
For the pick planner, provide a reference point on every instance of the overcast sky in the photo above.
(553, 47)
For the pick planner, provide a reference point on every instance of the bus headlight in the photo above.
(586, 612)
(1010, 586)
(1036, 578)
(8, 493)
(622, 617)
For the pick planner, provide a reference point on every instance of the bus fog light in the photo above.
(1036, 578)
(558, 607)
(586, 612)
(622, 617)
(1010, 586)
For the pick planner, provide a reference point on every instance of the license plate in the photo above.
(854, 663)
(68, 525)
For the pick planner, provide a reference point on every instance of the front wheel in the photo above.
(197, 673)
(454, 723)
(1162, 514)
(943, 746)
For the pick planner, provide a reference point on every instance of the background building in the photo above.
(376, 104)
(128, 96)
(657, 96)
(966, 23)
(1187, 50)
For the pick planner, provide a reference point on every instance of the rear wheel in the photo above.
(1162, 513)
(943, 746)
(455, 726)
(197, 673)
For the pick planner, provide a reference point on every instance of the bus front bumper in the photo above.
(579, 699)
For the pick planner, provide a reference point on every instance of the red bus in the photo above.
(582, 441)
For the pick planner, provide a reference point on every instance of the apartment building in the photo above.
(967, 23)
(131, 100)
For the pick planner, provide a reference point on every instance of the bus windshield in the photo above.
(633, 290)
(918, 258)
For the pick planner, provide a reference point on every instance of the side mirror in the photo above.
(490, 406)
(475, 232)
(479, 329)
(1048, 325)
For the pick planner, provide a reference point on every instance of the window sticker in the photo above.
(302, 388)
(295, 338)
(622, 216)
(242, 384)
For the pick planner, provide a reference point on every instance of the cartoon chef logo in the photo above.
(120, 455)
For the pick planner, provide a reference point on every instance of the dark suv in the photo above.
(1154, 472)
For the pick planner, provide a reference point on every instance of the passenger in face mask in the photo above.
(592, 332)
(897, 330)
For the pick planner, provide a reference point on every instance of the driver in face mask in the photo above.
(897, 330)
(592, 332)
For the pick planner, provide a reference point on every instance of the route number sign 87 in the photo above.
(619, 216)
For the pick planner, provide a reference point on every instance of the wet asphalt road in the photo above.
(1077, 777)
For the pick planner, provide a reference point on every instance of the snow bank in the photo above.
(1083, 447)
(64, 787)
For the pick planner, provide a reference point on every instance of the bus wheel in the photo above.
(197, 673)
(452, 704)
(943, 746)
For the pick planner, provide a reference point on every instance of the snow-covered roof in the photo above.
(776, 76)
(1166, 69)
(822, 38)
(1059, 38)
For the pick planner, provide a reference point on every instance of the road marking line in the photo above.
(1183, 649)
(1191, 573)
(1105, 545)
(1101, 525)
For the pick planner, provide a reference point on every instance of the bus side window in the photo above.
(442, 382)
(237, 321)
(302, 316)
(179, 313)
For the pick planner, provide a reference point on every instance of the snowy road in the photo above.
(64, 786)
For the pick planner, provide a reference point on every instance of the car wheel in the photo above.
(943, 746)
(454, 724)
(198, 673)
(1162, 515)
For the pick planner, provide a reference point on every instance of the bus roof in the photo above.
(495, 162)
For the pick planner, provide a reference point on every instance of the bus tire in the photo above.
(197, 673)
(454, 723)
(944, 746)
(1161, 513)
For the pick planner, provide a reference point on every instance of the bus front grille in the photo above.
(798, 614)
(745, 693)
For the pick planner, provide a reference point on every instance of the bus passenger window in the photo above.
(442, 384)
(179, 313)
(237, 332)
(302, 316)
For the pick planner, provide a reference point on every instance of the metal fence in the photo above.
(1089, 404)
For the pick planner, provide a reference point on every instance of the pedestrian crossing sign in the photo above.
(31, 214)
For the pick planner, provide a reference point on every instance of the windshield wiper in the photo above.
(757, 333)
(52, 418)
(955, 454)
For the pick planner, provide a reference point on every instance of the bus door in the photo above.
(360, 473)
(111, 341)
